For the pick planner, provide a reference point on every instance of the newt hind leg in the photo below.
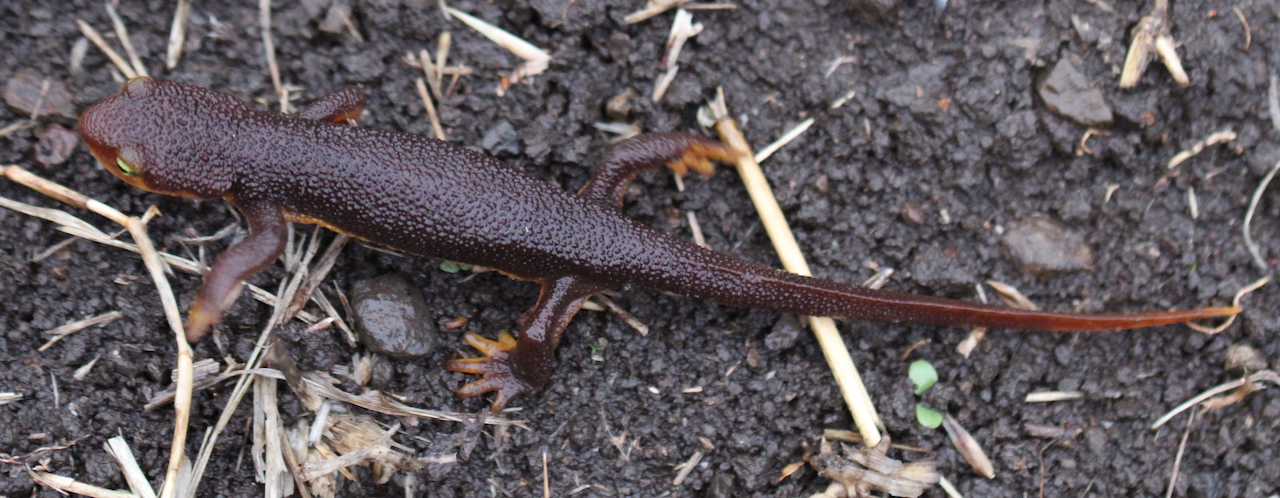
(516, 365)
(629, 158)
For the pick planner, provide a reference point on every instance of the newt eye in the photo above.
(126, 168)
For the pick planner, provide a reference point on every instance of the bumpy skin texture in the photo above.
(429, 198)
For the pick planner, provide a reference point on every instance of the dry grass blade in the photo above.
(323, 385)
(133, 475)
(1273, 102)
(536, 59)
(1249, 244)
(652, 8)
(361, 441)
(269, 46)
(785, 139)
(1052, 396)
(1152, 34)
(968, 447)
(430, 107)
(156, 267)
(1177, 460)
(68, 485)
(268, 453)
(93, 36)
(1254, 382)
(177, 34)
(686, 468)
(75, 226)
(682, 29)
(630, 319)
(784, 242)
(1220, 137)
(78, 325)
(1012, 296)
(122, 33)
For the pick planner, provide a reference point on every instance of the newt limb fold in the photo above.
(429, 198)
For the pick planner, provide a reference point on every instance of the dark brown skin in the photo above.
(432, 199)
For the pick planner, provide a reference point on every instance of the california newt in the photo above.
(429, 198)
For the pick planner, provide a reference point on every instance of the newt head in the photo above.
(155, 136)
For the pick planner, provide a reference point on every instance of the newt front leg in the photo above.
(268, 233)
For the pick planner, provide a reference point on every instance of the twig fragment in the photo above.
(1220, 137)
(1249, 244)
(1248, 33)
(156, 267)
(430, 107)
(177, 34)
(682, 29)
(78, 325)
(123, 34)
(784, 242)
(1255, 379)
(1152, 34)
(1177, 460)
(968, 447)
(536, 60)
(626, 317)
(93, 36)
(686, 468)
(1012, 296)
(652, 8)
(785, 139)
(133, 475)
(1273, 102)
(1052, 396)
(68, 485)
(269, 46)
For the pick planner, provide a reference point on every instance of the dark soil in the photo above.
(994, 156)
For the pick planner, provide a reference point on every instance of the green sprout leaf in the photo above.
(928, 417)
(449, 267)
(922, 375)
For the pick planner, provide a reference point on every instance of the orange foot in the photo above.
(493, 366)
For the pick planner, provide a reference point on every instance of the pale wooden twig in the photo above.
(93, 36)
(69, 485)
(78, 325)
(686, 468)
(177, 33)
(75, 226)
(1177, 460)
(269, 45)
(833, 347)
(431, 108)
(155, 266)
(1220, 137)
(536, 59)
(1152, 33)
(785, 139)
(123, 34)
(1249, 244)
(133, 475)
(652, 8)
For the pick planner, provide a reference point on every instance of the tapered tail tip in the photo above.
(1218, 312)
